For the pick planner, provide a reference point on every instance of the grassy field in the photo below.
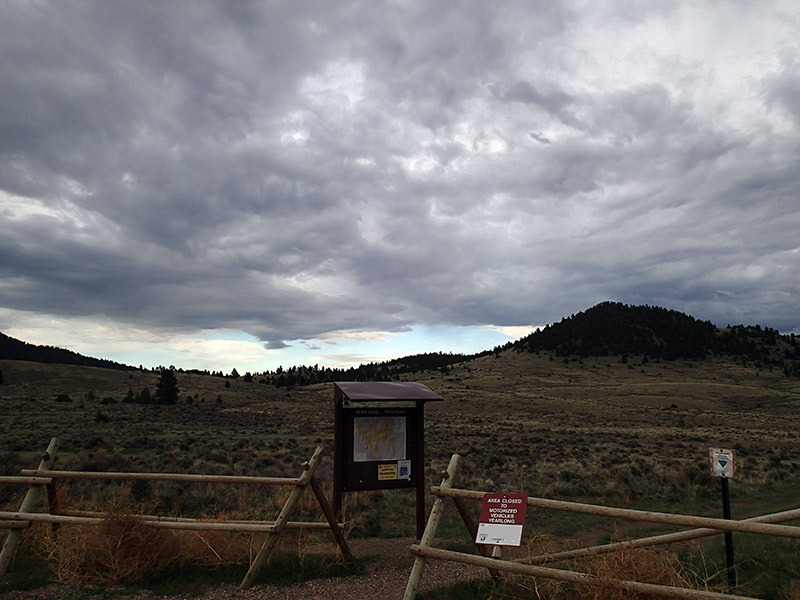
(627, 434)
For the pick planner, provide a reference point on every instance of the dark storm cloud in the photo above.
(298, 169)
(783, 87)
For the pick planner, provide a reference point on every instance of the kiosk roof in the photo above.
(378, 391)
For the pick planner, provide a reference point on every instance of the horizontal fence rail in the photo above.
(43, 479)
(655, 540)
(639, 515)
(13, 480)
(163, 522)
(571, 576)
(183, 477)
(532, 565)
(289, 524)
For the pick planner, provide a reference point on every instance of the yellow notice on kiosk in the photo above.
(387, 472)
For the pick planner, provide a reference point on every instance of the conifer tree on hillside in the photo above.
(144, 396)
(166, 388)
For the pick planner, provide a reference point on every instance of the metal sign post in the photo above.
(724, 466)
(379, 439)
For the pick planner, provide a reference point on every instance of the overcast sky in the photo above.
(220, 184)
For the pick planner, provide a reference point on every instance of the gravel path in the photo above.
(386, 578)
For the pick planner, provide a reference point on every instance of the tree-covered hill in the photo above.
(14, 349)
(607, 329)
(612, 328)
(374, 371)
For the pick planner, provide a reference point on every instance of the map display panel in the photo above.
(379, 438)
(379, 448)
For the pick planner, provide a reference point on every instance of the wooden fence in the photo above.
(704, 526)
(41, 484)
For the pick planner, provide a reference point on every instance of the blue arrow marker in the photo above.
(723, 463)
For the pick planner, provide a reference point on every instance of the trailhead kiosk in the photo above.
(378, 439)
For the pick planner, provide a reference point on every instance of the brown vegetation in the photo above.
(120, 550)
(634, 432)
(642, 565)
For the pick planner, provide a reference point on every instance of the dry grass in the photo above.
(525, 422)
(592, 429)
(793, 592)
(642, 565)
(123, 549)
(120, 550)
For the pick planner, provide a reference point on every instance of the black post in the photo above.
(338, 458)
(726, 514)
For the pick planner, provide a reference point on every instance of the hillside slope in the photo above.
(607, 329)
(14, 349)
(612, 328)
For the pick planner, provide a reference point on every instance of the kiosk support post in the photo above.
(338, 417)
(420, 471)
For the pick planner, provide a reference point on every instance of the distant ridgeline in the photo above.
(13, 349)
(608, 329)
(611, 328)
(383, 371)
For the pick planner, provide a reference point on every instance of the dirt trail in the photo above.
(386, 578)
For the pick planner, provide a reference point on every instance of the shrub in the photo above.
(120, 550)
(644, 565)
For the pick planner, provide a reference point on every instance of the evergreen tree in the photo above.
(166, 388)
(144, 396)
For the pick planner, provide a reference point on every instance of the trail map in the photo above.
(379, 438)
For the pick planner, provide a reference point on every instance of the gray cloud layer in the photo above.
(298, 168)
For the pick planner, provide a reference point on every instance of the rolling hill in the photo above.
(14, 349)
(607, 329)
(612, 328)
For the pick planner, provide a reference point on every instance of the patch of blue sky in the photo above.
(353, 350)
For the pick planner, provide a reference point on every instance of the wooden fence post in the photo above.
(430, 530)
(32, 496)
(472, 530)
(288, 508)
(338, 534)
(38, 483)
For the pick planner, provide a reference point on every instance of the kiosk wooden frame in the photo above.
(400, 400)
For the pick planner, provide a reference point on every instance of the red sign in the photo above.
(502, 518)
